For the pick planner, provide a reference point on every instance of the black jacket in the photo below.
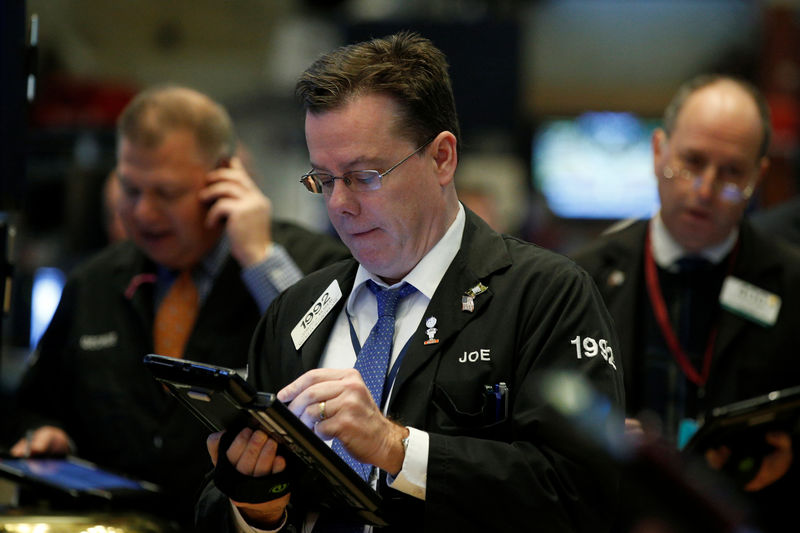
(748, 359)
(519, 473)
(87, 374)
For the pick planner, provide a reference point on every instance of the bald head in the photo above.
(737, 93)
(727, 113)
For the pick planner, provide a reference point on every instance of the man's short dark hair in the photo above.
(405, 66)
(159, 111)
(693, 85)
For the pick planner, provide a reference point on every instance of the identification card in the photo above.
(750, 302)
(316, 313)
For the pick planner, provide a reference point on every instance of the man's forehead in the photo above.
(336, 141)
(376, 110)
(146, 173)
(721, 101)
(721, 114)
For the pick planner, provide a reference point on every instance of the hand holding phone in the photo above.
(238, 205)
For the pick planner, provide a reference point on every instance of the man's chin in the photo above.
(166, 258)
(694, 242)
(387, 271)
(169, 263)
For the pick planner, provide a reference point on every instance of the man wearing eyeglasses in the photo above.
(706, 308)
(449, 427)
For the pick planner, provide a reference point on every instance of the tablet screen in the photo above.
(67, 474)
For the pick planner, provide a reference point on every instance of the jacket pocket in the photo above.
(483, 416)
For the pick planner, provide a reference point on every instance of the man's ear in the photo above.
(763, 168)
(659, 145)
(445, 156)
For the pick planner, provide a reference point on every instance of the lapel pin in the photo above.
(616, 278)
(468, 299)
(431, 331)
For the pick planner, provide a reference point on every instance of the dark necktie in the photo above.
(689, 267)
(691, 264)
(373, 359)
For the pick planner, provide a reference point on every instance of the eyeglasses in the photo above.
(355, 180)
(729, 191)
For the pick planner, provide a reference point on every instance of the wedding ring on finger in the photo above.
(322, 411)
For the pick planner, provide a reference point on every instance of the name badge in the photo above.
(103, 341)
(315, 314)
(750, 302)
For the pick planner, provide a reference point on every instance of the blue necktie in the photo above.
(373, 359)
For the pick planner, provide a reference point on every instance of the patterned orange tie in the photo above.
(175, 316)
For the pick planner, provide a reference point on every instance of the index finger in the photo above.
(312, 377)
(779, 439)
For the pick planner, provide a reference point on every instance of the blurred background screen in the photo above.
(595, 165)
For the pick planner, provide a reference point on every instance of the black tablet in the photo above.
(223, 399)
(748, 420)
(75, 477)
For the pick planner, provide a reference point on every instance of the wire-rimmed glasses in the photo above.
(727, 190)
(355, 180)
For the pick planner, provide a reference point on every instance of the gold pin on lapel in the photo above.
(468, 299)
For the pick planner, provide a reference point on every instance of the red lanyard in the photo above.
(660, 311)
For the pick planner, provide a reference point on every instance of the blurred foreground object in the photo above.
(664, 492)
(90, 523)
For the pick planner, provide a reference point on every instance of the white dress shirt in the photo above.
(361, 308)
(667, 251)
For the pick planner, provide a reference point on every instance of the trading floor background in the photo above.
(557, 100)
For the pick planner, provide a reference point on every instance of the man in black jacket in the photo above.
(706, 308)
(188, 206)
(782, 221)
(479, 310)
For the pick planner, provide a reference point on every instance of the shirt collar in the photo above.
(666, 250)
(425, 277)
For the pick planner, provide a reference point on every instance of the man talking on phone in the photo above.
(203, 261)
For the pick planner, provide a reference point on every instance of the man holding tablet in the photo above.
(421, 359)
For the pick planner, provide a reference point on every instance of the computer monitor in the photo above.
(597, 165)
